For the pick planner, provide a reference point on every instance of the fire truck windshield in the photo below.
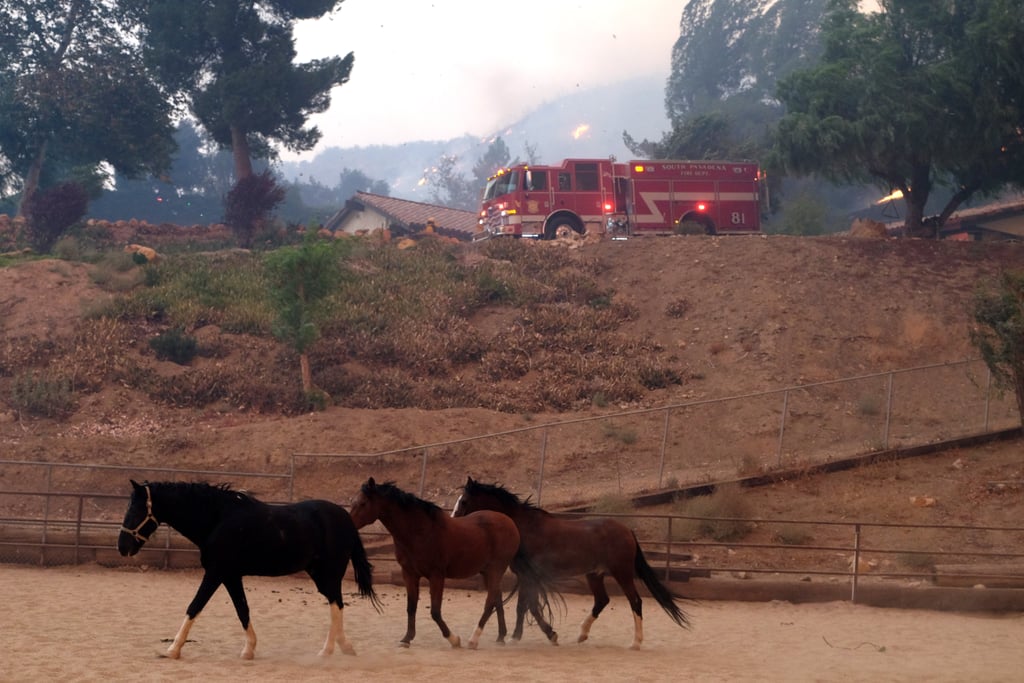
(501, 184)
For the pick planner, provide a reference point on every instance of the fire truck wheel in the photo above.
(560, 228)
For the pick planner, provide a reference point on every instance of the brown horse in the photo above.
(430, 544)
(564, 548)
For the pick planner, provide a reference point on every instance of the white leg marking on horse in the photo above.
(475, 639)
(332, 633)
(174, 651)
(585, 628)
(454, 640)
(345, 646)
(638, 632)
(249, 649)
(455, 508)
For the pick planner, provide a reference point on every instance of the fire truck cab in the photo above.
(623, 199)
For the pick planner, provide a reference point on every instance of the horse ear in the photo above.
(469, 480)
(370, 483)
(136, 485)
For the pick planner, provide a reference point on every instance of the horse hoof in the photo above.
(348, 649)
(456, 642)
(554, 639)
(403, 644)
(581, 638)
(472, 645)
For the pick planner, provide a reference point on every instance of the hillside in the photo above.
(736, 315)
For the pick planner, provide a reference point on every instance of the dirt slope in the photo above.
(742, 314)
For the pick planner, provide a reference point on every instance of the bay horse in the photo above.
(565, 548)
(238, 536)
(430, 544)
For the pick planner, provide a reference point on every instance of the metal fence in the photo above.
(844, 552)
(68, 512)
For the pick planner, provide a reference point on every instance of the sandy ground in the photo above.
(93, 623)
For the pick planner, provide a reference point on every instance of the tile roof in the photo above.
(410, 216)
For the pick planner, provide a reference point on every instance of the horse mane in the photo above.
(204, 492)
(503, 495)
(402, 499)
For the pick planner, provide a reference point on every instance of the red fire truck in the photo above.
(623, 199)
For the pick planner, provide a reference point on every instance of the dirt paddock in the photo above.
(93, 623)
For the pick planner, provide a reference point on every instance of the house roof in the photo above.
(1004, 220)
(410, 216)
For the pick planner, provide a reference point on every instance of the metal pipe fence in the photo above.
(65, 511)
(843, 551)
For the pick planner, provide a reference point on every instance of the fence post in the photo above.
(46, 514)
(543, 457)
(668, 551)
(988, 396)
(78, 528)
(291, 479)
(888, 413)
(782, 424)
(664, 446)
(423, 473)
(856, 562)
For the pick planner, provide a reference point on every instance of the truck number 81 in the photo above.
(739, 218)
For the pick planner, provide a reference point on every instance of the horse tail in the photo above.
(659, 591)
(363, 571)
(543, 582)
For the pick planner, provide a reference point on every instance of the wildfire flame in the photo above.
(895, 194)
(580, 131)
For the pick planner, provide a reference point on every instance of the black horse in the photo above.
(240, 536)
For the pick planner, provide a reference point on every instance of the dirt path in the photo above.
(93, 623)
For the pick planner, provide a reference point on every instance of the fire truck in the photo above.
(623, 199)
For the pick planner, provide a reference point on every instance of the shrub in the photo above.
(792, 534)
(677, 308)
(721, 510)
(43, 395)
(174, 345)
(52, 211)
(613, 504)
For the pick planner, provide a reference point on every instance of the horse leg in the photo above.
(436, 593)
(412, 598)
(528, 600)
(625, 580)
(544, 626)
(601, 600)
(493, 602)
(329, 586)
(521, 606)
(336, 634)
(207, 587)
(499, 605)
(237, 593)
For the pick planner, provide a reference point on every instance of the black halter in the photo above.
(136, 533)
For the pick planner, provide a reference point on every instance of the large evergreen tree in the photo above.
(918, 95)
(730, 47)
(232, 62)
(74, 94)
